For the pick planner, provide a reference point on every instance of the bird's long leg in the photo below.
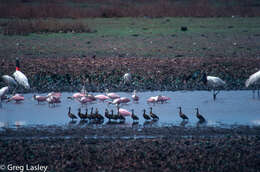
(215, 93)
(14, 91)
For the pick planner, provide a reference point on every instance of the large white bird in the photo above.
(3, 91)
(20, 77)
(9, 80)
(253, 79)
(127, 78)
(213, 83)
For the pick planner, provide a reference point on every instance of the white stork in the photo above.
(213, 83)
(20, 77)
(9, 80)
(254, 79)
(3, 91)
(127, 78)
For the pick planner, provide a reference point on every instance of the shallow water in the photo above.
(230, 108)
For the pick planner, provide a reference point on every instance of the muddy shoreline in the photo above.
(204, 149)
(169, 74)
(117, 131)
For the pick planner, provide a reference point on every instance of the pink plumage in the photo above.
(152, 100)
(55, 94)
(124, 112)
(113, 95)
(84, 100)
(101, 97)
(16, 98)
(78, 95)
(124, 100)
(40, 98)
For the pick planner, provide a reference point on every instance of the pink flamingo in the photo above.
(112, 95)
(158, 98)
(115, 101)
(124, 112)
(134, 96)
(91, 96)
(152, 100)
(163, 98)
(54, 94)
(84, 100)
(17, 98)
(77, 96)
(118, 101)
(124, 100)
(40, 98)
(101, 97)
(53, 100)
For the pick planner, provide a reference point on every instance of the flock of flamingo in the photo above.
(83, 97)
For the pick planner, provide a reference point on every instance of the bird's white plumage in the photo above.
(215, 81)
(253, 79)
(9, 80)
(3, 91)
(21, 79)
(127, 77)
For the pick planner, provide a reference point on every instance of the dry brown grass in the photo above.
(24, 27)
(120, 8)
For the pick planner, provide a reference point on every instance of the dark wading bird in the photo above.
(99, 117)
(91, 116)
(107, 115)
(86, 114)
(199, 116)
(114, 117)
(146, 117)
(134, 117)
(213, 83)
(81, 115)
(71, 115)
(155, 117)
(182, 115)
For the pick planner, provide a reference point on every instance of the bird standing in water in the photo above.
(146, 117)
(199, 116)
(213, 82)
(71, 115)
(134, 117)
(254, 80)
(182, 115)
(155, 117)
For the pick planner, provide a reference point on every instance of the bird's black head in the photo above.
(204, 78)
